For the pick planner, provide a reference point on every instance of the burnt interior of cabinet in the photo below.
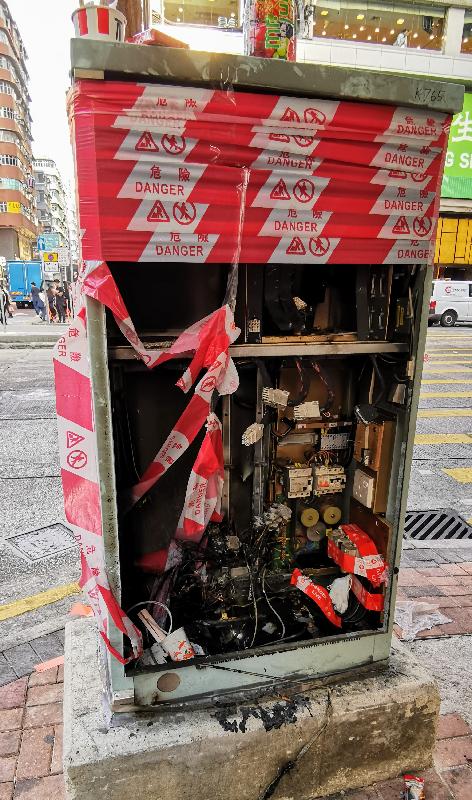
(335, 342)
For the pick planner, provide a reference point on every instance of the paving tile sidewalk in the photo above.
(447, 586)
(31, 737)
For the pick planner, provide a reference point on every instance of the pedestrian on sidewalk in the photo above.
(51, 302)
(61, 305)
(5, 303)
(38, 304)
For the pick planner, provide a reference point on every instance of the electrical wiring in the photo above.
(282, 624)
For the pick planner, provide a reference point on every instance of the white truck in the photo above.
(451, 302)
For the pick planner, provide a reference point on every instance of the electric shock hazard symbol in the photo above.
(146, 143)
(296, 247)
(73, 439)
(290, 115)
(158, 213)
(280, 192)
(401, 226)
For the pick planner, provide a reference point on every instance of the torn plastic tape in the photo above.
(318, 594)
(371, 602)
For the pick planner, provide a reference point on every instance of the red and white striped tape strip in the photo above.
(208, 340)
(176, 175)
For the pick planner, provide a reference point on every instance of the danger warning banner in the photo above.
(161, 171)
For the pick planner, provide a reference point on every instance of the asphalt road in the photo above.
(30, 492)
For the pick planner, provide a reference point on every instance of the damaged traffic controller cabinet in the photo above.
(259, 548)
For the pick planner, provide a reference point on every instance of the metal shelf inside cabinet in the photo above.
(284, 349)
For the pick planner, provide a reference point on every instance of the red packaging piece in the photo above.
(318, 594)
(372, 602)
(271, 31)
(414, 788)
(371, 564)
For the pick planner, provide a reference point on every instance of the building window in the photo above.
(8, 161)
(7, 88)
(419, 26)
(467, 34)
(3, 208)
(6, 112)
(13, 184)
(217, 13)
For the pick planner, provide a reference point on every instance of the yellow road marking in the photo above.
(446, 370)
(449, 381)
(460, 474)
(18, 607)
(469, 521)
(445, 412)
(443, 438)
(451, 361)
(453, 351)
(445, 394)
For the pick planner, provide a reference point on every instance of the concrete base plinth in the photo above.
(347, 735)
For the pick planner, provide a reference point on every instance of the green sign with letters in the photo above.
(457, 182)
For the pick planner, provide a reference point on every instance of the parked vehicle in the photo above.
(20, 275)
(451, 302)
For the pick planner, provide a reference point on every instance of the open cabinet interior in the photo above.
(305, 543)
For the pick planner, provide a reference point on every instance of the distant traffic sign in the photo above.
(48, 241)
(50, 258)
(63, 256)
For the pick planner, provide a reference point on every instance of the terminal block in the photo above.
(307, 410)
(275, 398)
(252, 434)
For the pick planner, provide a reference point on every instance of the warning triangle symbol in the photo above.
(73, 439)
(296, 247)
(401, 226)
(146, 143)
(158, 213)
(290, 115)
(279, 192)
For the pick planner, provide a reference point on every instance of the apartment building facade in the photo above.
(51, 199)
(18, 218)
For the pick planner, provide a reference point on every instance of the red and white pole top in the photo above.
(98, 21)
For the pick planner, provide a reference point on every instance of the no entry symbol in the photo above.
(421, 226)
(314, 116)
(208, 384)
(304, 141)
(174, 145)
(184, 213)
(319, 246)
(304, 190)
(77, 459)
